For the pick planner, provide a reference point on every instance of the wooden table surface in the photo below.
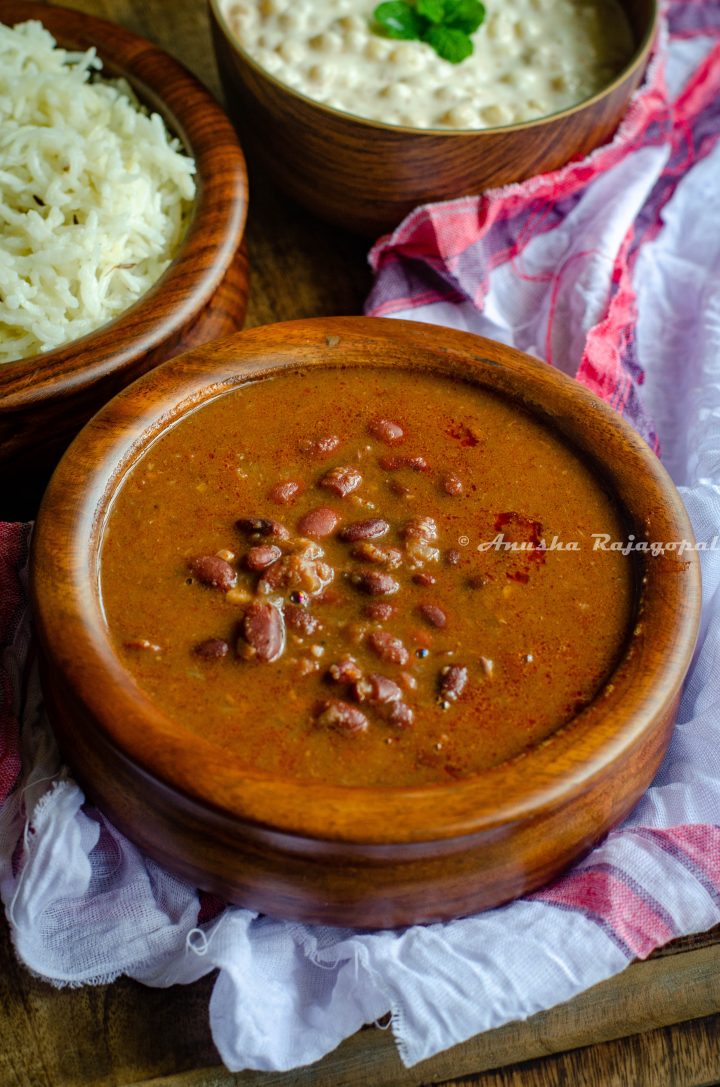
(657, 1024)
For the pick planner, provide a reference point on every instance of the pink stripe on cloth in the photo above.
(609, 366)
(14, 539)
(696, 846)
(446, 253)
(601, 368)
(609, 896)
(440, 233)
(702, 90)
(694, 18)
(444, 256)
(447, 294)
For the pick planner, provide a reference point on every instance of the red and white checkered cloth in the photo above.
(574, 299)
(609, 269)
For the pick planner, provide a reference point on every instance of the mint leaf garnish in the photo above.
(449, 43)
(466, 15)
(445, 25)
(399, 19)
(433, 10)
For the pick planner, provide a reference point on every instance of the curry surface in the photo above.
(490, 649)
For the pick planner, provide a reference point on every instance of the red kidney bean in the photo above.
(213, 571)
(328, 596)
(375, 583)
(453, 557)
(346, 670)
(320, 447)
(259, 558)
(386, 431)
(418, 534)
(452, 682)
(212, 649)
(341, 717)
(477, 581)
(261, 526)
(398, 715)
(364, 530)
(393, 462)
(380, 611)
(420, 528)
(300, 620)
(452, 484)
(376, 688)
(278, 531)
(285, 493)
(435, 616)
(263, 630)
(424, 579)
(341, 481)
(143, 643)
(279, 576)
(381, 556)
(318, 522)
(387, 647)
(300, 570)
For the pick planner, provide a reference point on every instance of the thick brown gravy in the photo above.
(311, 573)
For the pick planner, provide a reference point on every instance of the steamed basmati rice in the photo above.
(95, 195)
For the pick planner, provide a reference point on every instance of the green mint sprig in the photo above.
(445, 25)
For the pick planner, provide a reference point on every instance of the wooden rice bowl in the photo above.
(46, 399)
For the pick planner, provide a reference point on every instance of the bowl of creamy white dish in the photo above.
(362, 111)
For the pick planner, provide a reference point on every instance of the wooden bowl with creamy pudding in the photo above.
(340, 618)
(122, 246)
(362, 128)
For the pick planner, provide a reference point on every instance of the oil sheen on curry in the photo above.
(365, 577)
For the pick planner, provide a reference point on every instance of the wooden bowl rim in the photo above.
(637, 60)
(73, 636)
(187, 105)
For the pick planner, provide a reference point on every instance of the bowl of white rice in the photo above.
(123, 199)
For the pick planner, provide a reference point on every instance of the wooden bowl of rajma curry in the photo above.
(338, 618)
